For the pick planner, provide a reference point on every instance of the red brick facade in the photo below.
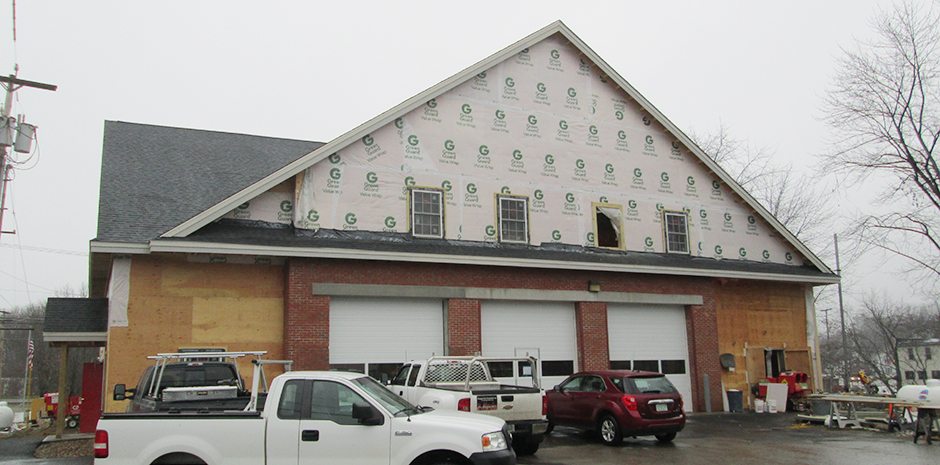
(463, 327)
(307, 315)
(591, 322)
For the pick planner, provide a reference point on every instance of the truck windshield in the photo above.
(396, 405)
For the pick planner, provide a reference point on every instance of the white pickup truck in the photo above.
(311, 418)
(466, 384)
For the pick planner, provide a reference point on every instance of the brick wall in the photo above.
(591, 322)
(306, 319)
(307, 316)
(463, 327)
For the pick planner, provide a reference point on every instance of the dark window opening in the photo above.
(620, 365)
(908, 375)
(774, 359)
(646, 365)
(500, 369)
(608, 222)
(935, 374)
(557, 367)
(673, 367)
(922, 374)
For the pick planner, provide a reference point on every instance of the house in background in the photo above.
(533, 204)
(919, 360)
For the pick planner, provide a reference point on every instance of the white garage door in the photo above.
(377, 335)
(653, 338)
(544, 330)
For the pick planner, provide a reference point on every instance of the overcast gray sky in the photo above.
(313, 71)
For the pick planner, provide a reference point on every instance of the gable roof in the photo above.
(155, 177)
(221, 208)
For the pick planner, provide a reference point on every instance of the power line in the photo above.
(46, 250)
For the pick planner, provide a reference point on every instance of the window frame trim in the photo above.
(688, 231)
(411, 211)
(499, 218)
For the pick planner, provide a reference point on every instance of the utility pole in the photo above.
(845, 352)
(11, 84)
(825, 312)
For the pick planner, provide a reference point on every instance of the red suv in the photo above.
(618, 403)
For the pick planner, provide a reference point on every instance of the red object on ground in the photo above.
(796, 382)
(52, 404)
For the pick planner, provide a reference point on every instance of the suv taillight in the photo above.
(463, 404)
(629, 403)
(101, 444)
(544, 404)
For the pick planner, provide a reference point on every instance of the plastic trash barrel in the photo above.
(735, 400)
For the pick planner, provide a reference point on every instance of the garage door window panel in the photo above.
(621, 365)
(646, 365)
(677, 232)
(673, 367)
(557, 367)
(427, 213)
(513, 219)
(349, 367)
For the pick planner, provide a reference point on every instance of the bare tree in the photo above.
(796, 201)
(874, 335)
(884, 107)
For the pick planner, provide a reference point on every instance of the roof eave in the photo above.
(182, 246)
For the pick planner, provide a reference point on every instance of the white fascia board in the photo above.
(691, 145)
(216, 211)
(193, 224)
(119, 247)
(75, 337)
(178, 246)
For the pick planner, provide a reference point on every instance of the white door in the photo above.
(377, 335)
(545, 330)
(653, 338)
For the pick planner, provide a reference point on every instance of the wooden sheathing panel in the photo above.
(176, 303)
(759, 315)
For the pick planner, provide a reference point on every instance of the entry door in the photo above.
(329, 435)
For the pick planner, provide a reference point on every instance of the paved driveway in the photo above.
(763, 439)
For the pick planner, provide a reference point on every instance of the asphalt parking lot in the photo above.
(741, 439)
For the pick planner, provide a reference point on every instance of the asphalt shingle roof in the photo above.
(76, 315)
(155, 177)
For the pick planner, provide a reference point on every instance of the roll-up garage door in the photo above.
(544, 330)
(377, 335)
(651, 338)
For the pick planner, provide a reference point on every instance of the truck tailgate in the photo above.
(508, 404)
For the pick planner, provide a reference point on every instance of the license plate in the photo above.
(662, 407)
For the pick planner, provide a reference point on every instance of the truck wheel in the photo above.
(664, 438)
(71, 422)
(527, 445)
(609, 431)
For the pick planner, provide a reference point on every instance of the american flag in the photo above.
(29, 354)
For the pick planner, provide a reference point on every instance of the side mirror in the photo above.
(367, 415)
(120, 392)
(557, 388)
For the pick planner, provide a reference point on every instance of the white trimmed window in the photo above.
(677, 232)
(427, 213)
(513, 219)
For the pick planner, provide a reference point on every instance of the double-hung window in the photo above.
(677, 232)
(513, 219)
(427, 213)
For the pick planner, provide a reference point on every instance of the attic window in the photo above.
(513, 219)
(608, 225)
(427, 213)
(677, 232)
